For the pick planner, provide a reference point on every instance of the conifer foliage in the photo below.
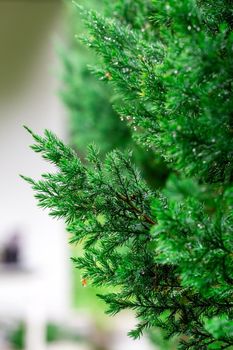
(83, 94)
(169, 253)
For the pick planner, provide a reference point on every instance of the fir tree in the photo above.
(169, 253)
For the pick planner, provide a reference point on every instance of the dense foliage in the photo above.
(89, 101)
(169, 253)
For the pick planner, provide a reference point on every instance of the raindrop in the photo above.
(125, 70)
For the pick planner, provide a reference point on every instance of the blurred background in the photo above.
(45, 82)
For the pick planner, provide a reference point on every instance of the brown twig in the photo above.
(138, 211)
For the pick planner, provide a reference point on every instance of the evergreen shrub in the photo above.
(168, 252)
